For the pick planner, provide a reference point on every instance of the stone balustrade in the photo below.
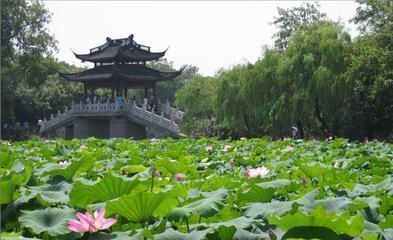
(131, 110)
(172, 112)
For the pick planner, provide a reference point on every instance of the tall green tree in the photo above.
(292, 20)
(24, 40)
(370, 74)
(197, 99)
(31, 88)
(313, 79)
(23, 30)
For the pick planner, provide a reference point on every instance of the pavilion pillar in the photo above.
(125, 91)
(92, 90)
(113, 93)
(85, 89)
(154, 88)
(145, 91)
(117, 90)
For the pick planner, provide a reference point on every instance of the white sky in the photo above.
(209, 35)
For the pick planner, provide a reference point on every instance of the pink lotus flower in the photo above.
(227, 147)
(157, 174)
(179, 176)
(290, 149)
(260, 171)
(209, 149)
(89, 223)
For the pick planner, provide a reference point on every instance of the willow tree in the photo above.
(233, 112)
(197, 99)
(311, 80)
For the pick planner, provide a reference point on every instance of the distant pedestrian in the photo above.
(294, 132)
(39, 125)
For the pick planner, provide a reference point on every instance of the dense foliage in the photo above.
(316, 78)
(198, 189)
(30, 85)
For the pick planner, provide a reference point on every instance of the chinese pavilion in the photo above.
(119, 64)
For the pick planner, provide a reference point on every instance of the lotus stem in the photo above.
(152, 183)
(188, 227)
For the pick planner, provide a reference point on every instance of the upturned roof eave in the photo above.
(117, 73)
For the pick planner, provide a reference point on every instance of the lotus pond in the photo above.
(196, 189)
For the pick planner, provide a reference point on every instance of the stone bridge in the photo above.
(107, 120)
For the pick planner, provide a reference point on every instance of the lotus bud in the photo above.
(232, 162)
(157, 174)
(209, 149)
(272, 234)
(304, 182)
(179, 176)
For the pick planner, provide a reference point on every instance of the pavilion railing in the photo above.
(130, 110)
(171, 112)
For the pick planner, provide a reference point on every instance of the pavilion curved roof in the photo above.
(127, 72)
(123, 49)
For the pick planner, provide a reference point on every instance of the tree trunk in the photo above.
(245, 118)
(299, 126)
(320, 118)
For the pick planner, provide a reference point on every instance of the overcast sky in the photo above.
(209, 35)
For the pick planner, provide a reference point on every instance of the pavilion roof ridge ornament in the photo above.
(121, 49)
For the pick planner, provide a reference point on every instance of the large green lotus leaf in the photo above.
(8, 187)
(14, 236)
(264, 210)
(311, 232)
(222, 233)
(116, 236)
(220, 193)
(276, 184)
(87, 161)
(141, 206)
(171, 234)
(52, 193)
(7, 191)
(205, 207)
(278, 208)
(18, 238)
(52, 220)
(67, 171)
(110, 187)
(132, 169)
(338, 204)
(362, 202)
(369, 189)
(388, 233)
(341, 224)
(170, 166)
(239, 223)
(53, 169)
(257, 194)
(313, 170)
(386, 204)
(246, 235)
(387, 222)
